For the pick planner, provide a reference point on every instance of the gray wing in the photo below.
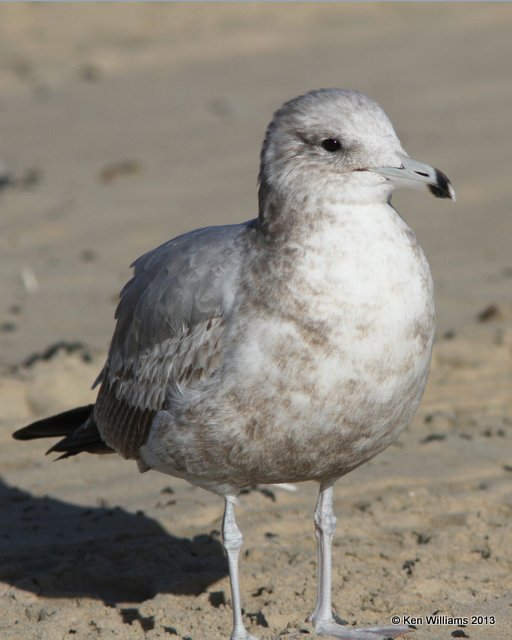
(170, 321)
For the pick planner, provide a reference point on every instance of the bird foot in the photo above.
(335, 630)
(242, 635)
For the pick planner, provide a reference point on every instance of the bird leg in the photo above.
(325, 525)
(232, 539)
(322, 617)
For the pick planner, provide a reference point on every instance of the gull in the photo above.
(292, 347)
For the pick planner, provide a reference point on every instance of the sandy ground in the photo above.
(121, 126)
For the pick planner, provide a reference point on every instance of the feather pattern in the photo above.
(170, 323)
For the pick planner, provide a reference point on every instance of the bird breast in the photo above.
(343, 334)
(325, 359)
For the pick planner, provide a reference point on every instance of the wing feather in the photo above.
(170, 323)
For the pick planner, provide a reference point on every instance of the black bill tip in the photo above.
(442, 187)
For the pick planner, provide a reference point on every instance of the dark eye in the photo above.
(331, 145)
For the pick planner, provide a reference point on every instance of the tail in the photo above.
(78, 428)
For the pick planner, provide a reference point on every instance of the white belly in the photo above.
(347, 349)
(327, 363)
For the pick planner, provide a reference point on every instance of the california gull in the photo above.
(292, 347)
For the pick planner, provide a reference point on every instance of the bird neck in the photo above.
(293, 213)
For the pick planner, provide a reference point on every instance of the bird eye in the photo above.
(331, 145)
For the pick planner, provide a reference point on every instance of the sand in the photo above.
(123, 125)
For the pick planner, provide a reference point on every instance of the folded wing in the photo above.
(170, 323)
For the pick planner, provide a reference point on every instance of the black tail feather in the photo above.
(78, 428)
(61, 424)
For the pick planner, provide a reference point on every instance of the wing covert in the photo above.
(170, 321)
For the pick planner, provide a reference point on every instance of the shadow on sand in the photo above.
(56, 549)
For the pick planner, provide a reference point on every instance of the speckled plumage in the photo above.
(292, 347)
(326, 346)
(323, 366)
